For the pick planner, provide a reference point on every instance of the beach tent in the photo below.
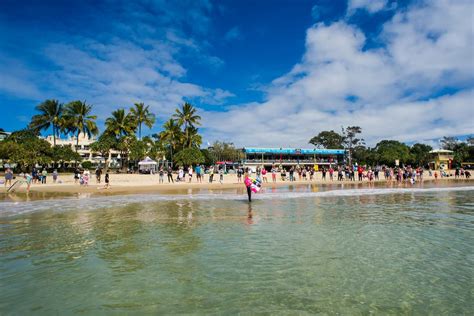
(147, 165)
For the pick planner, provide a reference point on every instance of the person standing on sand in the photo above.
(323, 171)
(239, 174)
(264, 174)
(221, 175)
(331, 173)
(8, 177)
(190, 173)
(274, 174)
(107, 179)
(86, 177)
(198, 173)
(170, 175)
(292, 174)
(211, 174)
(161, 174)
(55, 176)
(44, 174)
(76, 175)
(98, 173)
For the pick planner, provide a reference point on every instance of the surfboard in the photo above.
(15, 186)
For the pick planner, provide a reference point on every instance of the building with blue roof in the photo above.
(258, 156)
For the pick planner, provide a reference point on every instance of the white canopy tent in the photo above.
(147, 165)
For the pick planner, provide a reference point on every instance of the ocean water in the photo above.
(293, 250)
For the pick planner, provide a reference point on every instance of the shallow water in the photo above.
(302, 250)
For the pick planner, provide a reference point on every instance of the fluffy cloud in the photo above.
(391, 92)
(115, 63)
(371, 6)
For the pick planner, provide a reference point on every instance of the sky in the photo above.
(261, 73)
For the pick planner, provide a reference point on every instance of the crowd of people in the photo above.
(260, 173)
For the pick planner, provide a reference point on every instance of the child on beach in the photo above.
(190, 173)
(239, 174)
(264, 174)
(161, 174)
(55, 176)
(107, 180)
(274, 174)
(211, 174)
(221, 175)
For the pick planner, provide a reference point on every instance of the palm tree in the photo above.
(51, 115)
(142, 115)
(194, 139)
(187, 117)
(120, 123)
(78, 119)
(171, 134)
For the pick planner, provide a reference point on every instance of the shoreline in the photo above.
(135, 184)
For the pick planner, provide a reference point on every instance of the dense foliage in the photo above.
(189, 156)
(387, 151)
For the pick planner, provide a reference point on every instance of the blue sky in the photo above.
(271, 73)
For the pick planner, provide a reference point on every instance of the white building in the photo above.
(83, 149)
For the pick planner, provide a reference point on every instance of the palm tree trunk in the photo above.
(140, 131)
(54, 135)
(77, 145)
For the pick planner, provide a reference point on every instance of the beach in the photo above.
(146, 183)
(334, 248)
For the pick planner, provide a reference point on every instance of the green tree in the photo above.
(328, 139)
(104, 145)
(171, 135)
(141, 115)
(79, 120)
(124, 145)
(155, 147)
(64, 153)
(51, 112)
(194, 139)
(138, 150)
(222, 151)
(350, 139)
(26, 149)
(449, 143)
(120, 124)
(421, 153)
(387, 151)
(364, 155)
(209, 158)
(187, 117)
(188, 156)
(461, 153)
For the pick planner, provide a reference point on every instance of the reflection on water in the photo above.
(405, 253)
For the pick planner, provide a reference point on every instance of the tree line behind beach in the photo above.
(179, 140)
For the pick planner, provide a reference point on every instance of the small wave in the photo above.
(92, 203)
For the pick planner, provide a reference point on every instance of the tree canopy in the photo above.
(188, 156)
(328, 139)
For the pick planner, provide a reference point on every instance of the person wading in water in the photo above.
(248, 183)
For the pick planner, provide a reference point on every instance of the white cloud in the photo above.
(371, 6)
(390, 92)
